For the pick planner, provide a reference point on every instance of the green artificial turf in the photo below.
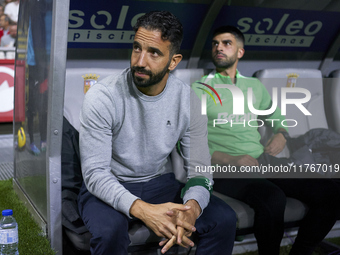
(31, 240)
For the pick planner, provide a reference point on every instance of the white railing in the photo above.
(7, 52)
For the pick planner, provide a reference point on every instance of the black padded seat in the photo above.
(332, 104)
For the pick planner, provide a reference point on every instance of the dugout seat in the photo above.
(332, 104)
(189, 76)
(74, 89)
(309, 79)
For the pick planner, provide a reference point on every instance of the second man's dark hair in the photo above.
(165, 22)
(232, 30)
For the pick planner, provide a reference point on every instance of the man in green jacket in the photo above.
(234, 141)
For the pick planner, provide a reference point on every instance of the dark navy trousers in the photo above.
(215, 228)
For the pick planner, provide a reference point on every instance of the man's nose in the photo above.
(142, 60)
(219, 47)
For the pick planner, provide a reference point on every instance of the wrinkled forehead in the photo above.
(151, 38)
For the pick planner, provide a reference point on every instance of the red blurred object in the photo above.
(7, 90)
(43, 86)
(20, 92)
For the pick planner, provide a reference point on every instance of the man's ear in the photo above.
(175, 59)
(240, 53)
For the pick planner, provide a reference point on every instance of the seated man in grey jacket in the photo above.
(130, 123)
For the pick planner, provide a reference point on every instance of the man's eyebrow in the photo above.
(223, 41)
(227, 41)
(136, 43)
(156, 50)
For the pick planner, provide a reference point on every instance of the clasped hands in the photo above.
(174, 222)
(275, 145)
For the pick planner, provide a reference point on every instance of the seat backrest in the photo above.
(332, 104)
(74, 89)
(189, 76)
(308, 79)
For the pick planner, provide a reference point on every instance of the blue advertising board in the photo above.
(108, 24)
(281, 29)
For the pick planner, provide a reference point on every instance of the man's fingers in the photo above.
(273, 151)
(169, 244)
(180, 234)
(182, 239)
(166, 230)
(187, 242)
(269, 141)
(267, 150)
(174, 210)
(161, 243)
(180, 223)
(275, 145)
(186, 225)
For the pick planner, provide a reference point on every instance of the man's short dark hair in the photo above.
(232, 30)
(165, 22)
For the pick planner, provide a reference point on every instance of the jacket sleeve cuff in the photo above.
(198, 193)
(125, 202)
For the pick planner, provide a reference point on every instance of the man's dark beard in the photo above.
(154, 78)
(225, 64)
